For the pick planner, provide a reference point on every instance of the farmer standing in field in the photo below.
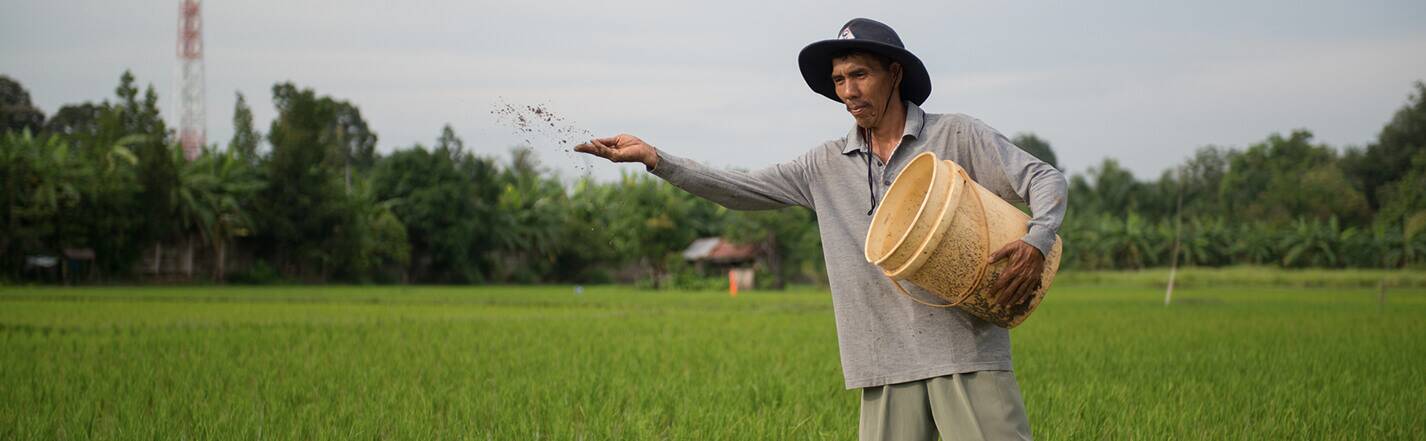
(922, 371)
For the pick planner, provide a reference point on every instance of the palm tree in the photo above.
(1413, 238)
(1382, 248)
(1133, 242)
(1315, 243)
(1207, 242)
(34, 173)
(210, 202)
(44, 183)
(1254, 243)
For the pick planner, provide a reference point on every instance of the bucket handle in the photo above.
(980, 269)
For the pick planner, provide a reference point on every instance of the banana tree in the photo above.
(1315, 243)
(1207, 242)
(211, 198)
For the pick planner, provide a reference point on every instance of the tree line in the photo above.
(1285, 201)
(106, 184)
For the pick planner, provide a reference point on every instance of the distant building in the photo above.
(717, 256)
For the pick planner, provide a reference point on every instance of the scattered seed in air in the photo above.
(542, 128)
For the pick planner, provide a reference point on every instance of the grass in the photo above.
(1251, 276)
(1098, 361)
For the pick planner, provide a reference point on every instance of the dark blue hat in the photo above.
(872, 36)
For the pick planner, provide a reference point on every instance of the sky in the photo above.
(1145, 83)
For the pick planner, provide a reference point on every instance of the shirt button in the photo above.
(885, 182)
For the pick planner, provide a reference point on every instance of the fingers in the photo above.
(1002, 253)
(596, 150)
(1020, 278)
(1030, 289)
(588, 148)
(1027, 290)
(1002, 282)
(1005, 283)
(1007, 297)
(601, 147)
(1015, 284)
(1007, 276)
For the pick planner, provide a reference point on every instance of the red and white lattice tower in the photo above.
(192, 95)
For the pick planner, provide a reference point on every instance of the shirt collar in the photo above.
(915, 119)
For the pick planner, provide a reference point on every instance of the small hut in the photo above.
(714, 256)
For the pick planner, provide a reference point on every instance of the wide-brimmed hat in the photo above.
(872, 36)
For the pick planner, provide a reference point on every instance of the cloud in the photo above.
(1143, 83)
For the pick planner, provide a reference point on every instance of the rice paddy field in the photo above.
(1100, 360)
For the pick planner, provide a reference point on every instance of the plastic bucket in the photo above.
(936, 228)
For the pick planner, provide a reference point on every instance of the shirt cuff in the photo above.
(668, 166)
(1041, 238)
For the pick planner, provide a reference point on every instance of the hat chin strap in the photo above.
(871, 137)
(884, 106)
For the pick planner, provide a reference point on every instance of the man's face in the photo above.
(864, 84)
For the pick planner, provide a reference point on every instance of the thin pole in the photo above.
(1177, 231)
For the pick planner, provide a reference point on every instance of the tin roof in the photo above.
(716, 249)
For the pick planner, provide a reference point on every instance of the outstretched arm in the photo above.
(780, 185)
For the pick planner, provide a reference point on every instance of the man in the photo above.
(922, 371)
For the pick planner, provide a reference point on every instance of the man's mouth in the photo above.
(858, 110)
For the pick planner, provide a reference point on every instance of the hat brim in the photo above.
(815, 60)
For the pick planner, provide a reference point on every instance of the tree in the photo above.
(213, 197)
(1109, 189)
(1315, 243)
(1132, 242)
(651, 219)
(133, 116)
(38, 186)
(1283, 178)
(1206, 242)
(375, 243)
(1202, 176)
(447, 219)
(450, 144)
(1036, 147)
(53, 199)
(304, 205)
(787, 237)
(354, 140)
(529, 210)
(78, 121)
(586, 252)
(1404, 198)
(17, 113)
(1390, 157)
(245, 137)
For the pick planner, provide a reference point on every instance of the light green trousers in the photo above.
(974, 406)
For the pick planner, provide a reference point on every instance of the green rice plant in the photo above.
(1097, 361)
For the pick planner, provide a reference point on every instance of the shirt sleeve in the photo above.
(1038, 183)
(780, 185)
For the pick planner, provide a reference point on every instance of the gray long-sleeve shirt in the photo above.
(885, 338)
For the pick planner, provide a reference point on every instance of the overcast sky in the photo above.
(1143, 82)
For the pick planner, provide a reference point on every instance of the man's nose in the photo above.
(849, 90)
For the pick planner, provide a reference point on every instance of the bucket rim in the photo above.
(947, 214)
(878, 217)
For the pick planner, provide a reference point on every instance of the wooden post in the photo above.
(1177, 232)
(1381, 295)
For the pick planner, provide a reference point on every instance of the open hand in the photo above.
(621, 148)
(1021, 276)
